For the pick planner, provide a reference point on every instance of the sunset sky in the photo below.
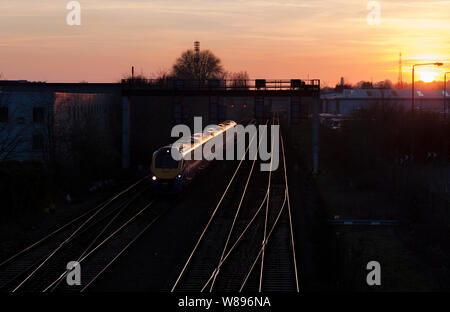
(324, 39)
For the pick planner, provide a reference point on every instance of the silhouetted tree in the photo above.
(136, 79)
(239, 79)
(203, 66)
(340, 88)
(386, 84)
(364, 85)
(162, 75)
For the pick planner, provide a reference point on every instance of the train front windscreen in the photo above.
(164, 160)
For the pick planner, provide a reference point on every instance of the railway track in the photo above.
(95, 239)
(248, 243)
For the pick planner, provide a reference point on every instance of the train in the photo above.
(169, 175)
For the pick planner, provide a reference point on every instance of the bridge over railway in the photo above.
(146, 110)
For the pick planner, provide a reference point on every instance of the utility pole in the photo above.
(197, 58)
(445, 94)
(400, 73)
(412, 87)
(315, 131)
(413, 102)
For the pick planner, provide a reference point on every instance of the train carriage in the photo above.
(170, 175)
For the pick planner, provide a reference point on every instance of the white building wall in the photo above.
(16, 134)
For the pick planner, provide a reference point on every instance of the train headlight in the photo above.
(179, 177)
(154, 178)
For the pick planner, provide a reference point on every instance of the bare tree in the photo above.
(84, 135)
(162, 74)
(385, 84)
(239, 79)
(364, 85)
(200, 66)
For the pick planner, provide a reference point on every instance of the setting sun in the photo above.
(428, 76)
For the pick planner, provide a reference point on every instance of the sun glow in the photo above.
(428, 76)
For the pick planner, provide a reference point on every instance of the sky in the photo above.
(272, 39)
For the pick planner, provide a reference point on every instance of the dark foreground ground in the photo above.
(353, 184)
(413, 254)
(155, 261)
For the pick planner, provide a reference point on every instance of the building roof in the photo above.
(385, 93)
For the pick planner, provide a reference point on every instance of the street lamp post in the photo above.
(412, 84)
(445, 94)
(413, 100)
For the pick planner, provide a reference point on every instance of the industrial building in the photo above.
(25, 125)
(350, 100)
(56, 122)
